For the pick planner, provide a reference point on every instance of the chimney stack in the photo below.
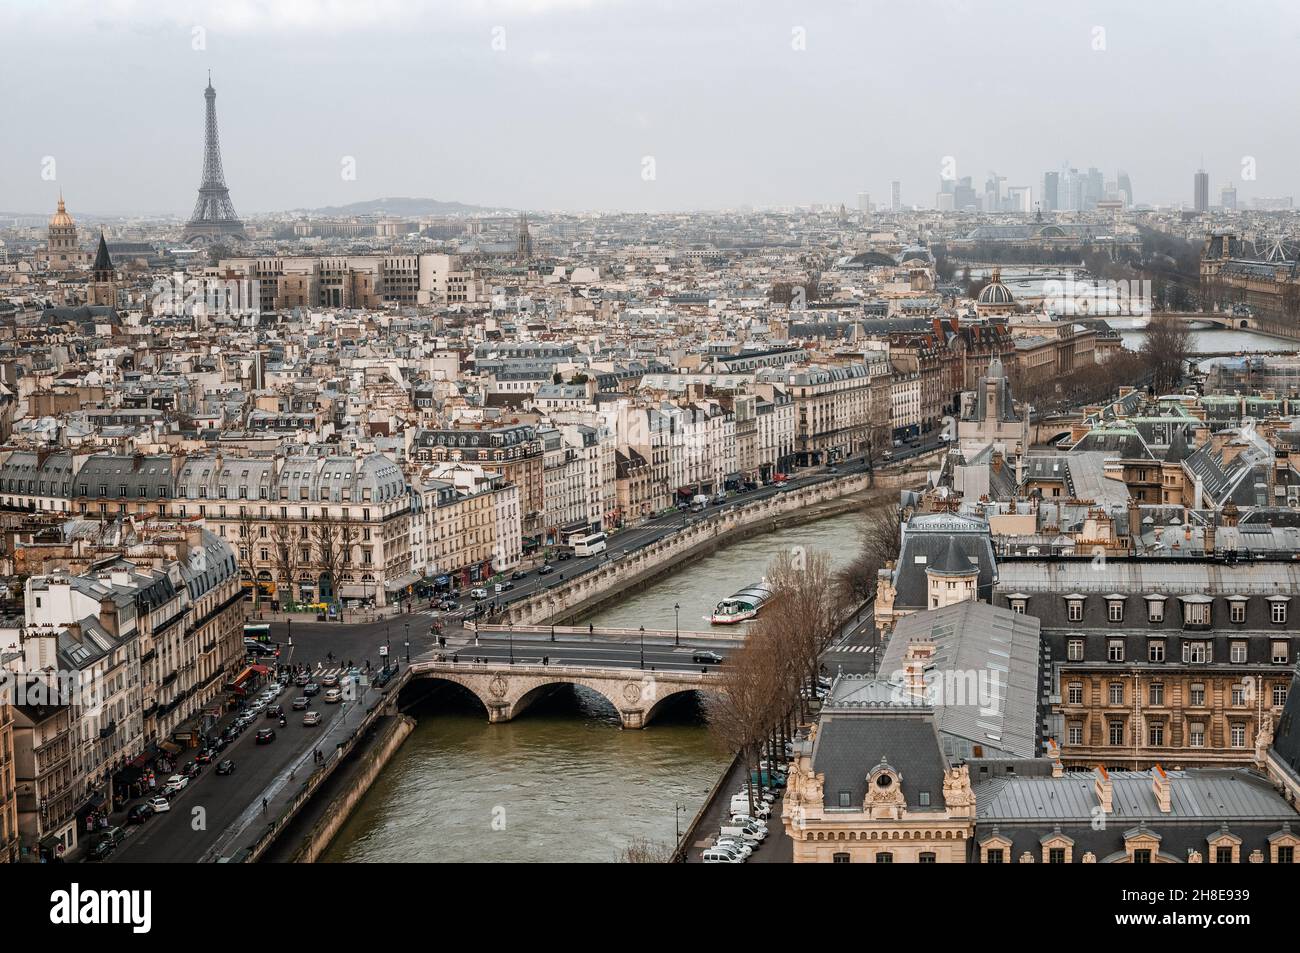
(1163, 789)
(1104, 790)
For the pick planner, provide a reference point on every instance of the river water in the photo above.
(564, 782)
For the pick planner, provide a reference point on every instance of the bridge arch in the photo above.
(668, 693)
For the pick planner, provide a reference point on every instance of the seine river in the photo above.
(564, 781)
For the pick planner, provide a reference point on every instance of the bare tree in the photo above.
(248, 524)
(642, 850)
(1165, 349)
(285, 549)
(879, 542)
(327, 538)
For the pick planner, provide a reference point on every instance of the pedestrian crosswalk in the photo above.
(855, 648)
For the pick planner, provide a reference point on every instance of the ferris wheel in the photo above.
(1276, 248)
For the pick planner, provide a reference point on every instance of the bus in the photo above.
(588, 545)
(257, 631)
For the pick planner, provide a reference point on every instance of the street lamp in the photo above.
(510, 632)
(677, 623)
(408, 651)
(643, 648)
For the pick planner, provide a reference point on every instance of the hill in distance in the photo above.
(401, 207)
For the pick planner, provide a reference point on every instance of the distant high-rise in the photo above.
(896, 189)
(1201, 190)
(864, 201)
(1125, 187)
(214, 216)
(1228, 198)
(1051, 191)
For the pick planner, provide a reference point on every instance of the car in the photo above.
(504, 586)
(220, 745)
(832, 469)
(546, 570)
(101, 849)
(448, 605)
(330, 681)
(142, 812)
(176, 784)
(564, 554)
(301, 704)
(191, 769)
(226, 767)
(204, 756)
(311, 718)
(302, 679)
(333, 696)
(159, 805)
(265, 736)
(887, 456)
(518, 574)
(310, 689)
(275, 711)
(478, 593)
(705, 657)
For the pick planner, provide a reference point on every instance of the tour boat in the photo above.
(745, 604)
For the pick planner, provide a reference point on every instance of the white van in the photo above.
(699, 502)
(745, 832)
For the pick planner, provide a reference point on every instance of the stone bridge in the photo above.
(507, 690)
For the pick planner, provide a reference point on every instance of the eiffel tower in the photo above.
(214, 216)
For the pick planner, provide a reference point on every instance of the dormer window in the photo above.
(1277, 609)
(1237, 609)
(1074, 608)
(1196, 611)
(1115, 608)
(1155, 608)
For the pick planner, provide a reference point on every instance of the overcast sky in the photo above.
(426, 101)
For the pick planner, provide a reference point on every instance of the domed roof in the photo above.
(61, 218)
(995, 292)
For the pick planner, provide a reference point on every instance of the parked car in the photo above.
(311, 718)
(175, 784)
(226, 767)
(142, 812)
(101, 849)
(159, 805)
(333, 696)
(301, 704)
(204, 756)
(721, 855)
(546, 570)
(265, 736)
(705, 657)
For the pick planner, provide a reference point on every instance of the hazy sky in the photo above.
(424, 99)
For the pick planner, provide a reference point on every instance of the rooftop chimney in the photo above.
(1102, 786)
(1163, 789)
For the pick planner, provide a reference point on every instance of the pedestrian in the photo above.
(263, 805)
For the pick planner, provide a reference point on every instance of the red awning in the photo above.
(243, 676)
(259, 669)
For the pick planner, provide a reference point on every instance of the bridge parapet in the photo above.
(506, 690)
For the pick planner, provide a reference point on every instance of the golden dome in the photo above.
(61, 218)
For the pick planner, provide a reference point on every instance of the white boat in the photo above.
(745, 604)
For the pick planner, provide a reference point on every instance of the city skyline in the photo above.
(600, 106)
